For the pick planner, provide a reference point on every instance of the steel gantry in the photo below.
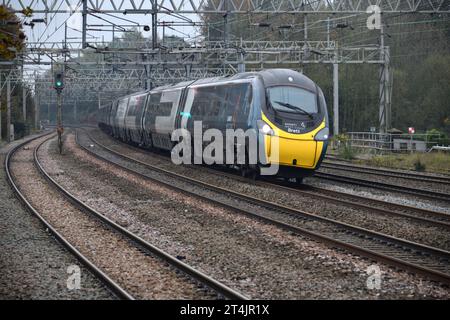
(235, 6)
(155, 63)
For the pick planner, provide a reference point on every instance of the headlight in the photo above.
(322, 135)
(264, 128)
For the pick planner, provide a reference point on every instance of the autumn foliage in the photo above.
(12, 37)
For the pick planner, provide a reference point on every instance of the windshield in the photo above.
(292, 99)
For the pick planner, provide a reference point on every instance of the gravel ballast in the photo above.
(258, 260)
(401, 227)
(396, 181)
(142, 275)
(33, 265)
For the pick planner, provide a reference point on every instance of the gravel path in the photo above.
(258, 260)
(33, 265)
(143, 276)
(396, 226)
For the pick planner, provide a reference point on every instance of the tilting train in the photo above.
(278, 103)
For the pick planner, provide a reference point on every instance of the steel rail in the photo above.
(428, 194)
(335, 240)
(318, 193)
(286, 186)
(110, 284)
(386, 172)
(145, 246)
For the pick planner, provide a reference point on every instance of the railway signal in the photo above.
(58, 84)
(59, 81)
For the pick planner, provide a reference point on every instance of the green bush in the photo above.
(419, 165)
(345, 150)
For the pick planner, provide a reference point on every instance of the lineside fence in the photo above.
(390, 142)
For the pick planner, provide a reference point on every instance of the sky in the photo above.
(100, 25)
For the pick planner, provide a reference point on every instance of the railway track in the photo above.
(147, 249)
(432, 262)
(386, 172)
(438, 219)
(427, 194)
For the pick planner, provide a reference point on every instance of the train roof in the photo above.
(270, 77)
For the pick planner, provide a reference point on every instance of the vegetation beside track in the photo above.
(434, 162)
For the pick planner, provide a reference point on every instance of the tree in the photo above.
(12, 38)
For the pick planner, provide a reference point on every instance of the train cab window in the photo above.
(292, 99)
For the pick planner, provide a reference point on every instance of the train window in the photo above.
(291, 99)
(236, 100)
(131, 107)
(152, 108)
(135, 105)
(121, 108)
(217, 101)
(164, 109)
(248, 101)
(199, 105)
(153, 105)
(168, 99)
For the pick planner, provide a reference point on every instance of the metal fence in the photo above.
(389, 142)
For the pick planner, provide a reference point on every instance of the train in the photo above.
(275, 103)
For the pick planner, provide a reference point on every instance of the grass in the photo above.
(347, 152)
(438, 162)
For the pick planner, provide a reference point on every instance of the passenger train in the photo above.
(273, 102)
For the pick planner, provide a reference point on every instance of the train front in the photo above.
(294, 122)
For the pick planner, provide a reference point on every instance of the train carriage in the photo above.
(278, 104)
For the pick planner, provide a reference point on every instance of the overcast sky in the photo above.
(53, 30)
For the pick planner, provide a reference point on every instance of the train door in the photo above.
(235, 115)
(120, 117)
(165, 119)
(239, 97)
(150, 116)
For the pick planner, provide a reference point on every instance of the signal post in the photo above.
(59, 86)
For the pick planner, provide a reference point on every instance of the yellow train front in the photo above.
(293, 121)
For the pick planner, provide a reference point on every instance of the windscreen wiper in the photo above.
(291, 106)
